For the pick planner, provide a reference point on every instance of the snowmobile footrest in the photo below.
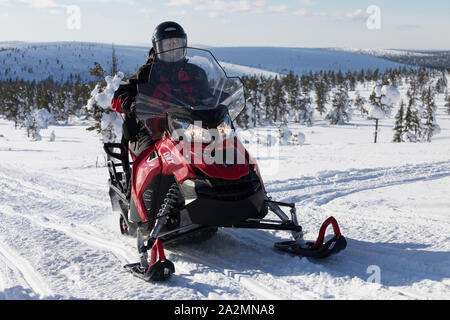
(160, 270)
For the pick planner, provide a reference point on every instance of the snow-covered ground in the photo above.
(59, 238)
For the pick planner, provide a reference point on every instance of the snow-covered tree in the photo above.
(37, 120)
(278, 101)
(340, 112)
(254, 97)
(398, 127)
(108, 122)
(429, 116)
(412, 129)
(384, 98)
(321, 93)
(291, 85)
(305, 110)
(360, 103)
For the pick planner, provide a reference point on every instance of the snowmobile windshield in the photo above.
(197, 82)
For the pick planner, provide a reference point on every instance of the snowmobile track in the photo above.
(23, 270)
(327, 186)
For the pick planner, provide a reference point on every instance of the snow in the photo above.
(375, 112)
(390, 95)
(111, 123)
(300, 60)
(60, 239)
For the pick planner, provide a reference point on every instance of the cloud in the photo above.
(146, 11)
(352, 16)
(219, 8)
(41, 4)
(277, 9)
(302, 12)
(130, 2)
(179, 3)
(357, 15)
(216, 8)
(308, 3)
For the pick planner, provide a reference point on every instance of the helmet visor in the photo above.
(171, 50)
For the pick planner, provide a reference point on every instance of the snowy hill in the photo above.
(433, 58)
(300, 60)
(60, 60)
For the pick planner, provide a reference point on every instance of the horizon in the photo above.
(144, 45)
(362, 24)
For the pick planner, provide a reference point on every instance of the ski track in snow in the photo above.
(57, 247)
(23, 271)
(328, 186)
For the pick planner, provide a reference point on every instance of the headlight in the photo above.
(194, 132)
(225, 128)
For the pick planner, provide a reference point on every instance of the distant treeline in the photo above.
(19, 100)
(270, 100)
(294, 98)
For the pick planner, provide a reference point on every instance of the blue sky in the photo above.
(290, 23)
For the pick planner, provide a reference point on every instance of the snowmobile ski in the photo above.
(316, 249)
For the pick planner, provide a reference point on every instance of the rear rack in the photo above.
(117, 180)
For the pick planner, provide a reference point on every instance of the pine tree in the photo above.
(291, 84)
(360, 103)
(321, 93)
(305, 110)
(114, 62)
(253, 101)
(278, 102)
(340, 112)
(267, 101)
(97, 71)
(412, 128)
(398, 127)
(430, 126)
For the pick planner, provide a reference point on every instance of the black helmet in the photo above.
(169, 41)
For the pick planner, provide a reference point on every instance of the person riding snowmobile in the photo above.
(176, 79)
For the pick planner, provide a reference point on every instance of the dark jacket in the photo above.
(124, 96)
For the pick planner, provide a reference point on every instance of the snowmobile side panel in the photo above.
(143, 173)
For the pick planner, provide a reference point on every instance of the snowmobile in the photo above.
(198, 177)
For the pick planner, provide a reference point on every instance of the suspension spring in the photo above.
(166, 208)
(169, 202)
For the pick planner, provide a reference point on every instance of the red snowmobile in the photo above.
(198, 177)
